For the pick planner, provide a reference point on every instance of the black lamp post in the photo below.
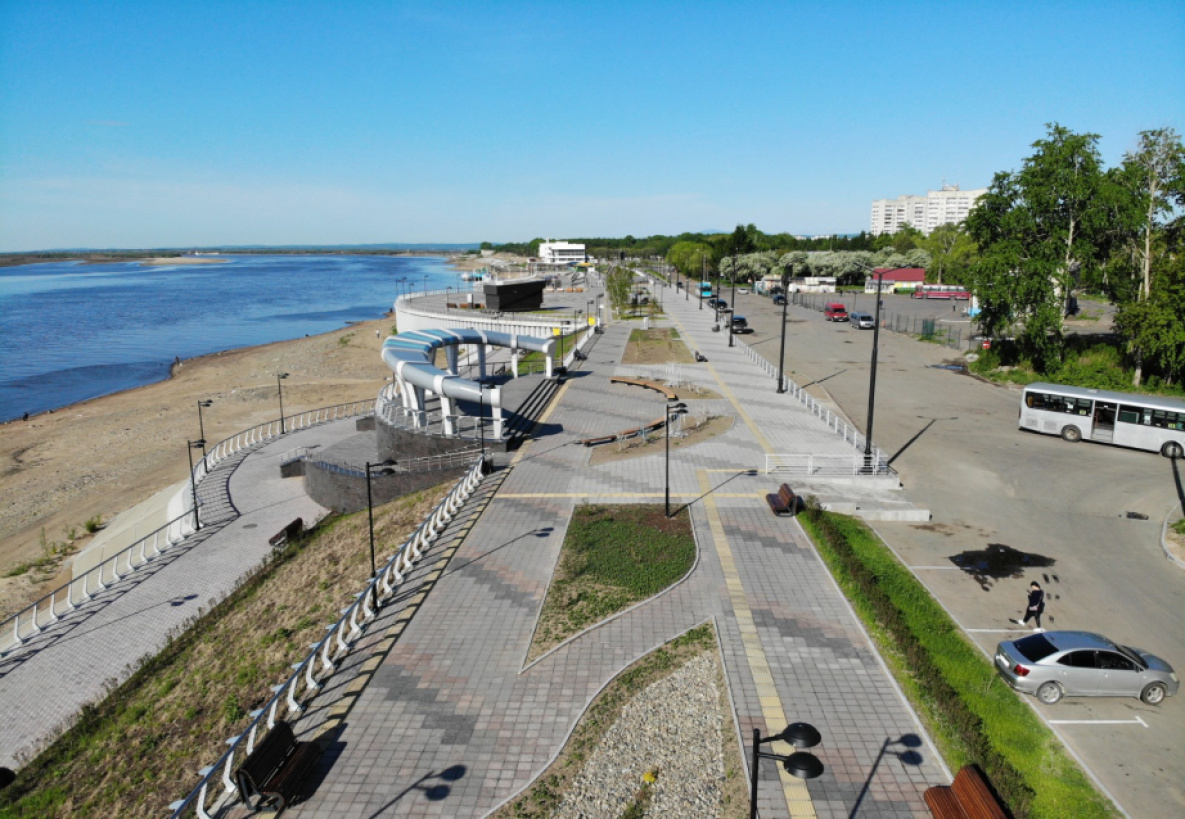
(800, 763)
(280, 392)
(385, 468)
(425, 283)
(200, 443)
(782, 351)
(673, 412)
(876, 334)
(201, 425)
(703, 263)
(446, 294)
(733, 301)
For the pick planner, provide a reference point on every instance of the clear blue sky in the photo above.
(185, 124)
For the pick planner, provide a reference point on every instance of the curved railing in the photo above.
(309, 675)
(841, 427)
(30, 621)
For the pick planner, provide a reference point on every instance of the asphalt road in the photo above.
(955, 442)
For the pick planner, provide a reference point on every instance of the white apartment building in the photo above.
(947, 206)
(560, 253)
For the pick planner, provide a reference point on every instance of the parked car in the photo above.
(835, 312)
(742, 291)
(863, 321)
(717, 303)
(1056, 664)
(740, 325)
(779, 298)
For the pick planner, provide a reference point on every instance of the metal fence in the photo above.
(927, 328)
(30, 621)
(309, 675)
(833, 421)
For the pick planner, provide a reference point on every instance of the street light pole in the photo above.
(280, 392)
(384, 469)
(782, 351)
(876, 333)
(733, 302)
(189, 448)
(202, 425)
(801, 764)
(673, 411)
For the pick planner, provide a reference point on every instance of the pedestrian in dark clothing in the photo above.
(1035, 607)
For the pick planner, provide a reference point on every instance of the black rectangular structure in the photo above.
(515, 296)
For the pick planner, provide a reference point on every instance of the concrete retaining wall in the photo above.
(347, 493)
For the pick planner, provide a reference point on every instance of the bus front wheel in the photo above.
(1071, 434)
(1172, 450)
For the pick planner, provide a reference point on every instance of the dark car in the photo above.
(740, 325)
(1056, 664)
(717, 303)
(779, 298)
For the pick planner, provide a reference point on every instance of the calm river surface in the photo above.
(75, 331)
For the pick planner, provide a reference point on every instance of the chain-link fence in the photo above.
(927, 328)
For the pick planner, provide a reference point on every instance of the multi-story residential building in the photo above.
(947, 206)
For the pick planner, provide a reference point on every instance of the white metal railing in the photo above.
(309, 674)
(30, 621)
(826, 466)
(841, 427)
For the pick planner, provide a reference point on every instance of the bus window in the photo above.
(1168, 420)
(1129, 414)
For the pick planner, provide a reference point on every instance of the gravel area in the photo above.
(673, 729)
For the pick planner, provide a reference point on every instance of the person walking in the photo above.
(1035, 608)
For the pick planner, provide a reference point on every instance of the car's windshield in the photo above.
(1035, 647)
(1131, 654)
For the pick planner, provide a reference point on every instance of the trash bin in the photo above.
(646, 323)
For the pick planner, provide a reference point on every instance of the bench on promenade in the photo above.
(968, 797)
(637, 382)
(293, 529)
(653, 426)
(783, 502)
(273, 773)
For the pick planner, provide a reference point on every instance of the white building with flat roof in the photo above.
(561, 253)
(948, 206)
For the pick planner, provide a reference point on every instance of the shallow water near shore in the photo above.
(75, 331)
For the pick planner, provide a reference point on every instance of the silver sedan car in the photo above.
(1056, 664)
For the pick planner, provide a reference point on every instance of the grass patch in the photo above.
(657, 345)
(1179, 527)
(139, 748)
(542, 797)
(612, 557)
(973, 715)
(1088, 363)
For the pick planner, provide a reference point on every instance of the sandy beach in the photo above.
(102, 456)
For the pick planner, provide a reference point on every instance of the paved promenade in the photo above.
(454, 693)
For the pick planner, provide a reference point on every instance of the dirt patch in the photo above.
(686, 392)
(103, 456)
(1175, 539)
(655, 442)
(658, 345)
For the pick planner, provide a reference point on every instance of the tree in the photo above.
(619, 284)
(1152, 181)
(1039, 230)
(951, 252)
(690, 257)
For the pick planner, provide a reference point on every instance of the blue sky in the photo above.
(186, 124)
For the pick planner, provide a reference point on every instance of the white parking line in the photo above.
(1097, 722)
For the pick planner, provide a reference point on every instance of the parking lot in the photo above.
(1010, 507)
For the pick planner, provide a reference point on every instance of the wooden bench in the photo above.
(286, 534)
(968, 797)
(635, 382)
(783, 502)
(273, 773)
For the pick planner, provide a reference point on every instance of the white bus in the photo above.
(1138, 421)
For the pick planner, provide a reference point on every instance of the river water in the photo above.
(74, 331)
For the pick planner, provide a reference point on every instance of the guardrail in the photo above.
(833, 421)
(310, 673)
(30, 621)
(425, 463)
(826, 466)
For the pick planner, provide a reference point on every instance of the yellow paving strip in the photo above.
(594, 494)
(555, 402)
(798, 798)
(728, 393)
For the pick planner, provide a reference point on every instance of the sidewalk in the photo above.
(453, 691)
